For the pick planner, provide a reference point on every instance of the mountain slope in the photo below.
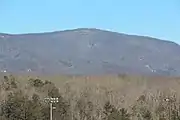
(88, 51)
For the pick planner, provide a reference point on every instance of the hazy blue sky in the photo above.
(156, 18)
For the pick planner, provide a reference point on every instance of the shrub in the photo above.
(9, 83)
(85, 109)
(15, 107)
(18, 106)
(36, 82)
(141, 110)
(111, 113)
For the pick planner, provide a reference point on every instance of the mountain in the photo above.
(88, 52)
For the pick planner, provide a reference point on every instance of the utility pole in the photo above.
(51, 109)
(51, 101)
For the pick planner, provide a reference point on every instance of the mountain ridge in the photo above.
(88, 51)
(92, 29)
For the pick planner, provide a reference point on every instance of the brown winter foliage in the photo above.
(120, 97)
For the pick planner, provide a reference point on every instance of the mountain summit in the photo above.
(88, 52)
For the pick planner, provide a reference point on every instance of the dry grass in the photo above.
(131, 92)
